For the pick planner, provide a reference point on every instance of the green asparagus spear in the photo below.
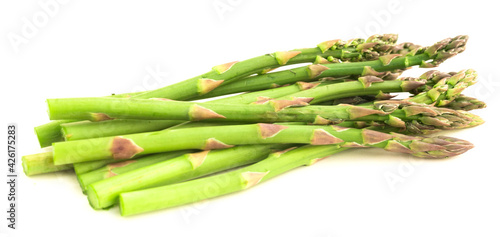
(50, 132)
(41, 163)
(466, 103)
(85, 167)
(355, 50)
(98, 108)
(87, 129)
(277, 163)
(117, 168)
(395, 113)
(399, 59)
(104, 193)
(208, 138)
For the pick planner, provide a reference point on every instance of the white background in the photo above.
(94, 48)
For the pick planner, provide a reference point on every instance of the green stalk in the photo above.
(440, 89)
(50, 132)
(126, 95)
(41, 163)
(200, 189)
(152, 199)
(355, 50)
(95, 108)
(368, 85)
(44, 162)
(85, 167)
(104, 193)
(394, 112)
(259, 96)
(219, 137)
(89, 166)
(421, 56)
(118, 168)
(355, 100)
(87, 129)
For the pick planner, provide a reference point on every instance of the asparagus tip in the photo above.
(440, 147)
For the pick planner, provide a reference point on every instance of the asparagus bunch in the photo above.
(154, 150)
(105, 189)
(377, 48)
(333, 51)
(312, 92)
